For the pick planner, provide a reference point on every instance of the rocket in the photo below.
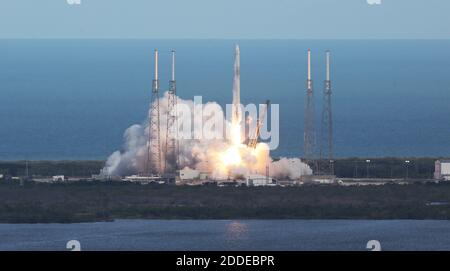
(156, 79)
(309, 81)
(236, 118)
(328, 65)
(309, 64)
(173, 65)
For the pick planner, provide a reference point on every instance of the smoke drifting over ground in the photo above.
(215, 154)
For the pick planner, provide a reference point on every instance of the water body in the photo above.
(188, 235)
(73, 99)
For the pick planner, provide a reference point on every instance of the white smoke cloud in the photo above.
(291, 168)
(131, 160)
(374, 2)
(200, 154)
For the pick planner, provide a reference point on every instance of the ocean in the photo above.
(73, 99)
(228, 235)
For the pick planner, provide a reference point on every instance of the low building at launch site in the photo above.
(317, 179)
(144, 179)
(442, 170)
(260, 180)
(105, 178)
(59, 178)
(368, 181)
(189, 174)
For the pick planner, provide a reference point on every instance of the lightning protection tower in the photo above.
(326, 142)
(172, 148)
(154, 144)
(326, 148)
(309, 132)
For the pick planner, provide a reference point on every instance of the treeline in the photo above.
(386, 167)
(51, 168)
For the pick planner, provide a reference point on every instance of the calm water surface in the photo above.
(73, 99)
(188, 235)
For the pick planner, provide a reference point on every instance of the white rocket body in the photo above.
(156, 70)
(173, 66)
(237, 114)
(309, 64)
(328, 65)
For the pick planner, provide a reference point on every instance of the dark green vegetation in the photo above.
(418, 168)
(386, 167)
(51, 168)
(77, 202)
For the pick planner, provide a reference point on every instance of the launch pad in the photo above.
(239, 156)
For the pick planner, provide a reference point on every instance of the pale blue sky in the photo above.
(234, 19)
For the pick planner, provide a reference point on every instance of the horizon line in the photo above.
(218, 39)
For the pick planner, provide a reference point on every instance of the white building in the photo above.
(442, 170)
(58, 178)
(259, 180)
(318, 179)
(143, 179)
(189, 174)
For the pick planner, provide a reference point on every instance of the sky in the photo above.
(226, 19)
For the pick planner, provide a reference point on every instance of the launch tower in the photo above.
(153, 166)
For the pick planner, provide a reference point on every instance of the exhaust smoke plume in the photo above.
(220, 157)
